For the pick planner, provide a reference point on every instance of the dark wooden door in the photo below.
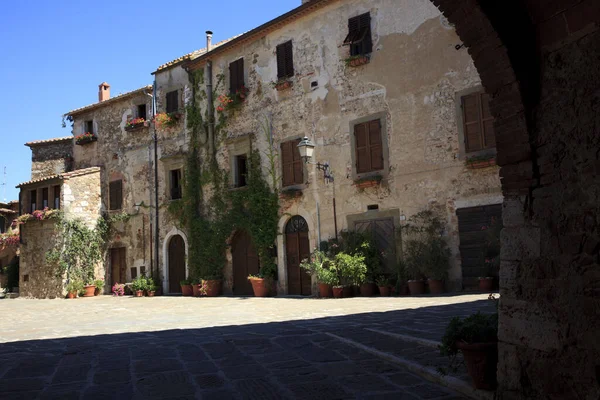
(297, 248)
(245, 262)
(176, 263)
(472, 240)
(383, 233)
(118, 265)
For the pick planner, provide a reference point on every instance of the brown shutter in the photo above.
(298, 165)
(115, 190)
(289, 59)
(472, 123)
(172, 102)
(281, 61)
(240, 72)
(489, 138)
(287, 164)
(375, 145)
(233, 77)
(363, 162)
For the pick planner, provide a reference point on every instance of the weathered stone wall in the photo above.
(81, 197)
(412, 80)
(50, 158)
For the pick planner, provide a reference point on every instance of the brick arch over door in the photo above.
(539, 63)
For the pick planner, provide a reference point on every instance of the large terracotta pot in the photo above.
(486, 284)
(89, 290)
(416, 287)
(213, 287)
(348, 291)
(436, 286)
(150, 293)
(367, 289)
(72, 295)
(384, 291)
(139, 293)
(481, 360)
(187, 290)
(260, 287)
(325, 290)
(338, 292)
(196, 289)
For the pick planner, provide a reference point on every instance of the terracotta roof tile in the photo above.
(64, 175)
(122, 96)
(47, 141)
(7, 211)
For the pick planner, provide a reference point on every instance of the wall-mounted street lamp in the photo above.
(307, 148)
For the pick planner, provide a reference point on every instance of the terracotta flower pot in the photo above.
(486, 284)
(97, 291)
(196, 289)
(416, 287)
(139, 293)
(260, 287)
(384, 291)
(325, 290)
(367, 289)
(481, 360)
(436, 286)
(338, 292)
(72, 295)
(348, 291)
(150, 293)
(89, 290)
(213, 287)
(187, 290)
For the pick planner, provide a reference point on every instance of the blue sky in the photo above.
(55, 53)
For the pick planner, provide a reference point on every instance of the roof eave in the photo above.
(83, 110)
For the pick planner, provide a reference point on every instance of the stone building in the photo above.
(9, 246)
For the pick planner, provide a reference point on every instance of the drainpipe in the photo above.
(155, 137)
(209, 97)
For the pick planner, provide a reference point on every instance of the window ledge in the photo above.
(358, 60)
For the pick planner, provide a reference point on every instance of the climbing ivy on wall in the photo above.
(209, 211)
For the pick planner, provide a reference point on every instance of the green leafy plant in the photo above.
(184, 282)
(382, 280)
(74, 286)
(99, 283)
(350, 269)
(139, 283)
(150, 285)
(318, 264)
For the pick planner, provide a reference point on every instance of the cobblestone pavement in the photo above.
(225, 347)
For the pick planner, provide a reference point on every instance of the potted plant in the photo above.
(211, 287)
(99, 283)
(150, 287)
(195, 287)
(491, 254)
(73, 288)
(186, 287)
(317, 265)
(262, 282)
(118, 289)
(89, 289)
(351, 269)
(86, 137)
(368, 181)
(326, 279)
(357, 60)
(282, 84)
(437, 264)
(138, 285)
(166, 120)
(135, 124)
(476, 337)
(383, 283)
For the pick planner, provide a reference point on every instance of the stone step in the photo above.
(418, 355)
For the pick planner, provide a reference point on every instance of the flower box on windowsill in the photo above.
(135, 126)
(290, 194)
(357, 61)
(282, 85)
(368, 181)
(481, 163)
(85, 138)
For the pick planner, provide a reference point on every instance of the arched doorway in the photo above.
(245, 262)
(297, 248)
(176, 263)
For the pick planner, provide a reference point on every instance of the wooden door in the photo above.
(176, 263)
(297, 248)
(383, 233)
(245, 262)
(118, 265)
(472, 240)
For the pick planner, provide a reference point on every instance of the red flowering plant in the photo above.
(234, 100)
(85, 138)
(166, 120)
(38, 215)
(9, 239)
(134, 123)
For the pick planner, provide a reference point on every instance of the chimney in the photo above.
(103, 92)
(208, 40)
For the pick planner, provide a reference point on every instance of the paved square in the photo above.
(225, 347)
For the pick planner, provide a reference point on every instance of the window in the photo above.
(56, 192)
(89, 127)
(368, 146)
(285, 60)
(236, 75)
(241, 170)
(44, 198)
(115, 190)
(175, 184)
(32, 200)
(172, 102)
(478, 122)
(141, 111)
(291, 163)
(2, 224)
(359, 35)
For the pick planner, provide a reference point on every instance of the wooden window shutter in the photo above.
(172, 102)
(375, 145)
(487, 122)
(115, 190)
(363, 162)
(289, 59)
(298, 163)
(280, 61)
(236, 75)
(478, 122)
(285, 60)
(287, 163)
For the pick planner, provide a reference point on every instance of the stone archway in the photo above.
(538, 61)
(165, 256)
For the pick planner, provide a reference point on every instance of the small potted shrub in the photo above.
(476, 337)
(73, 288)
(350, 269)
(89, 289)
(211, 287)
(138, 285)
(99, 283)
(383, 283)
(437, 264)
(186, 287)
(195, 287)
(317, 265)
(262, 282)
(150, 287)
